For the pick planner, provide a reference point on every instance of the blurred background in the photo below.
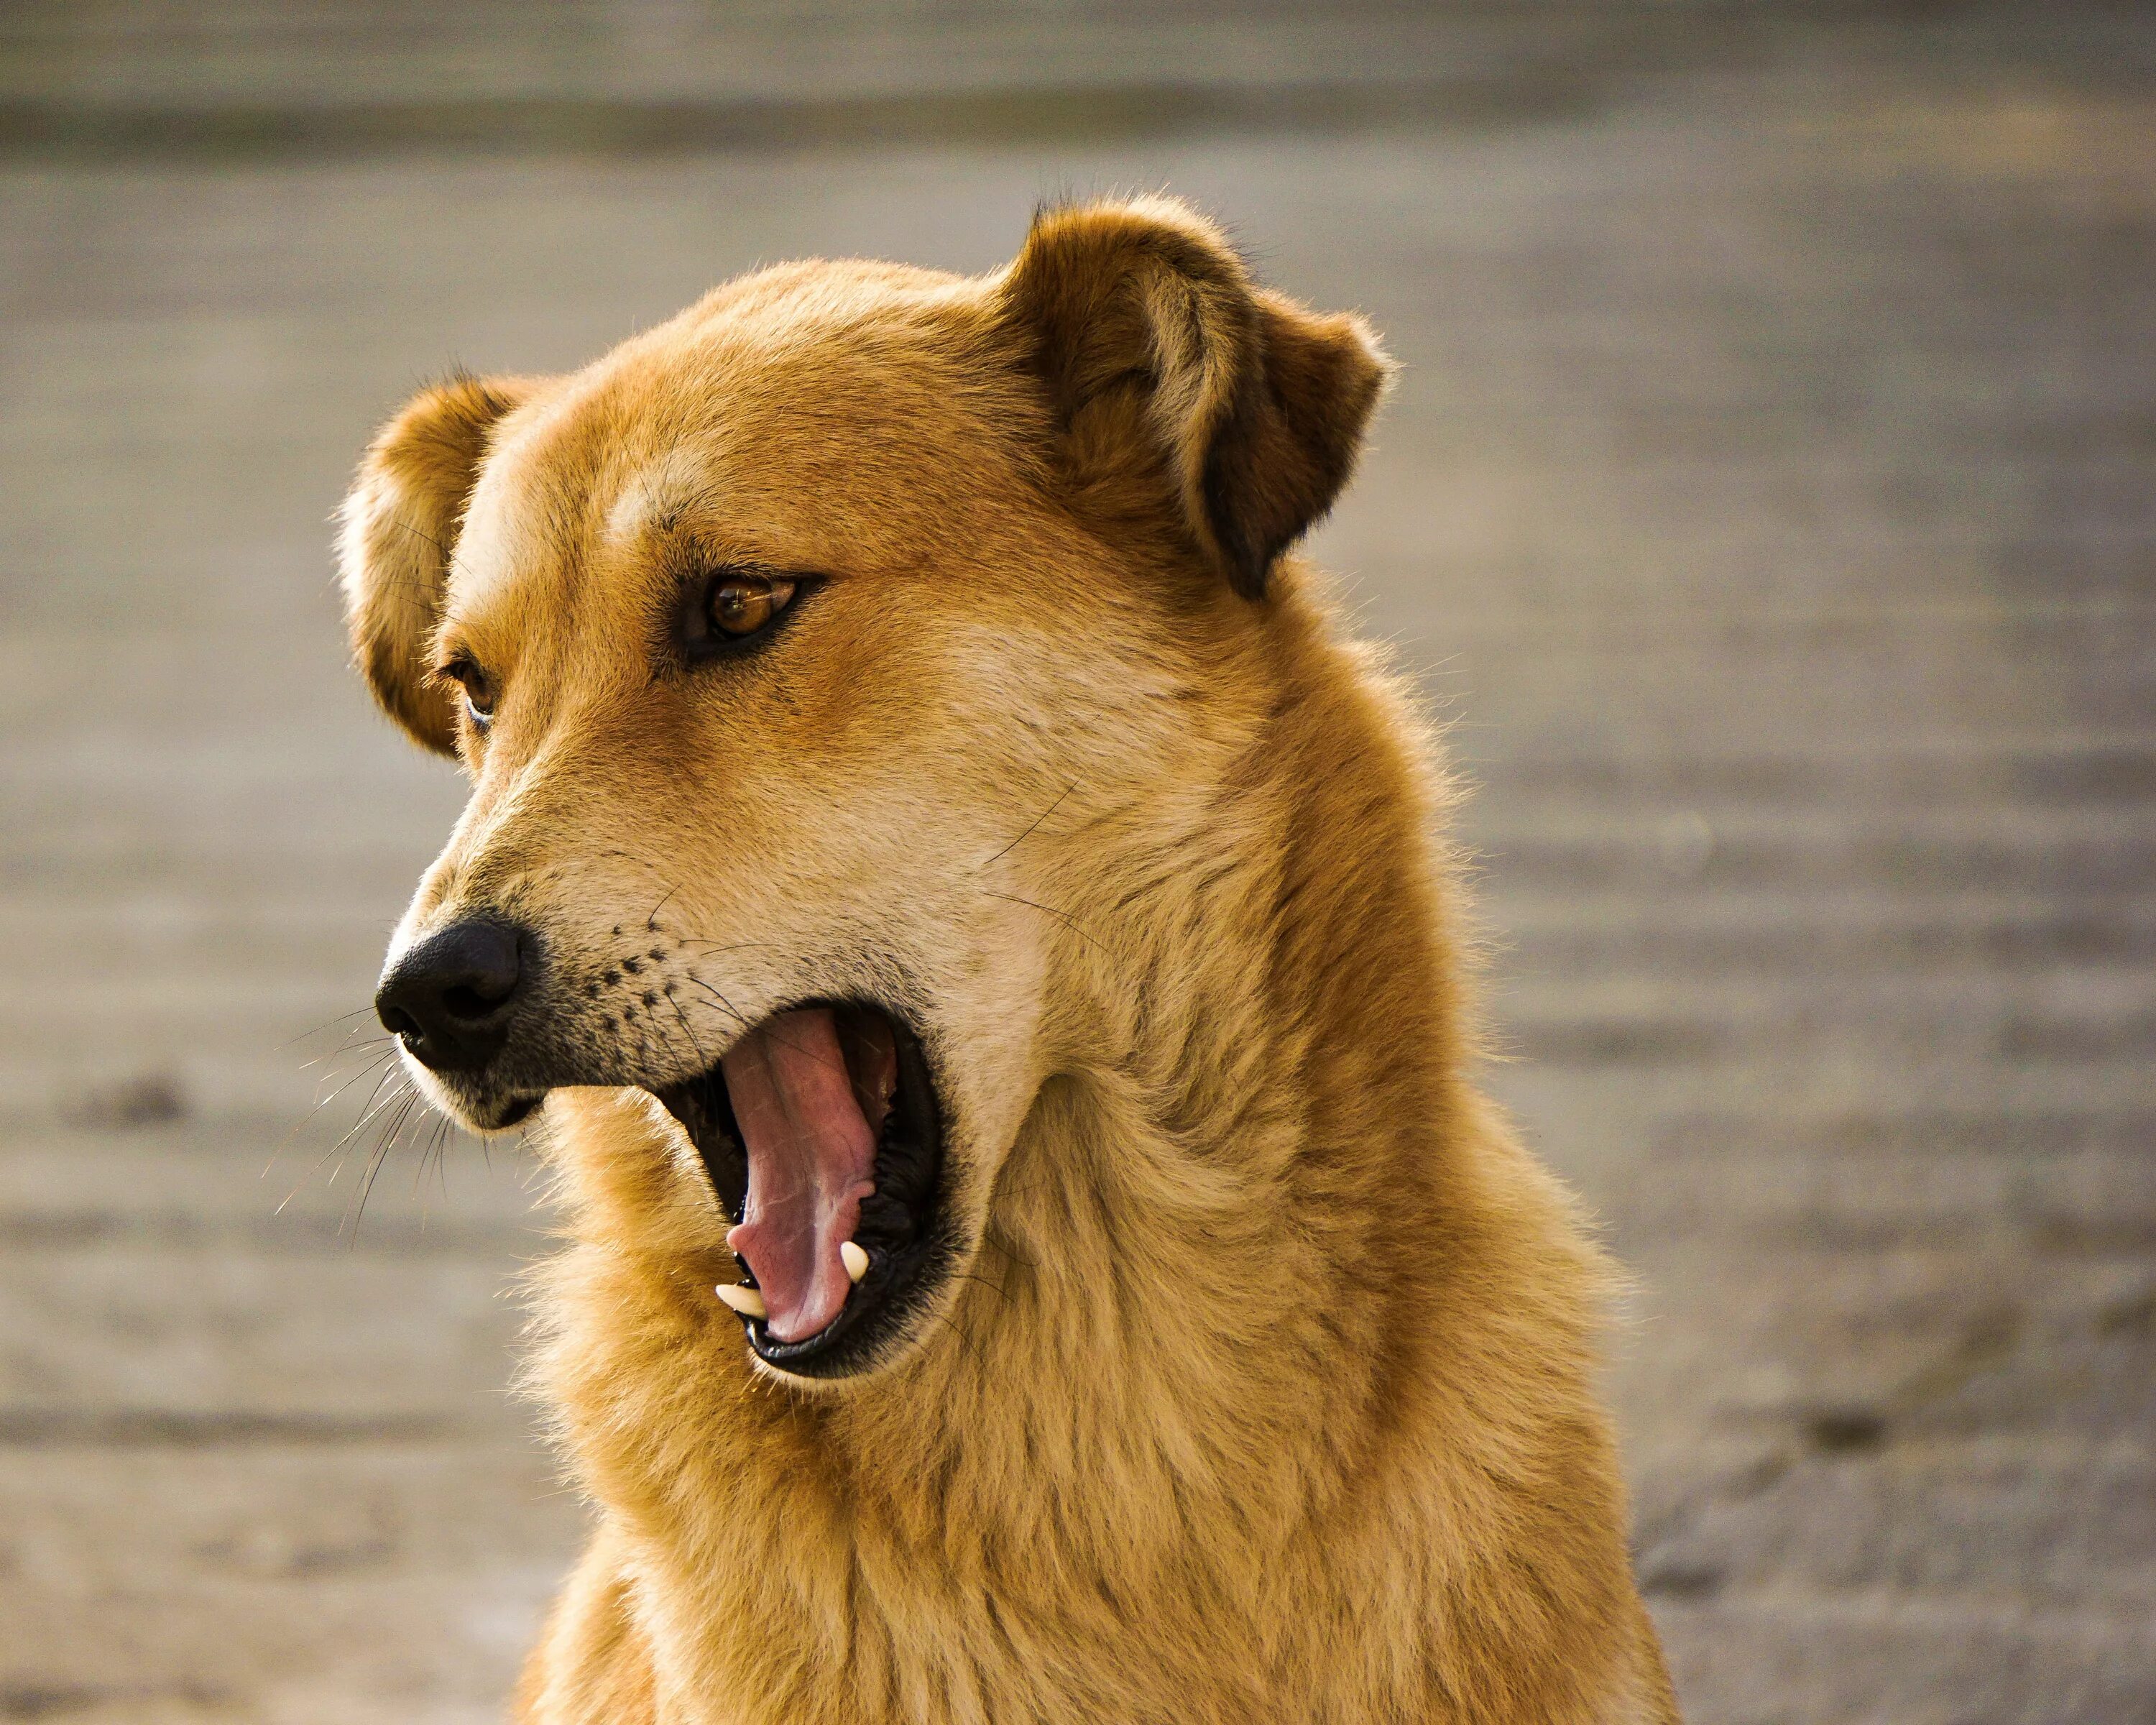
(1766, 504)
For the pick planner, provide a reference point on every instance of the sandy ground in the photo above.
(1767, 506)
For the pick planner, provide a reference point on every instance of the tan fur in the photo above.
(1265, 1391)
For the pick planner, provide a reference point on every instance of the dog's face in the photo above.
(808, 655)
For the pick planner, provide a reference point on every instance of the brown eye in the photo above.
(740, 603)
(478, 688)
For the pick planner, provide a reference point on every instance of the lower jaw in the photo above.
(483, 1115)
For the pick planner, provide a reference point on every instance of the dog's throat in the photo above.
(809, 1106)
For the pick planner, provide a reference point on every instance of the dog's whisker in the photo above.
(1037, 820)
(372, 1111)
(439, 1150)
(380, 1156)
(1047, 910)
(948, 1319)
(725, 1005)
(651, 919)
(702, 1058)
(366, 1068)
(371, 1047)
(342, 1018)
(666, 1037)
(432, 1154)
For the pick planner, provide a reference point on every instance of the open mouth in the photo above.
(824, 1144)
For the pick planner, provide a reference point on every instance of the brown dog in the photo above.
(1038, 1252)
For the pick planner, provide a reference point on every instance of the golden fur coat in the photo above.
(1261, 1384)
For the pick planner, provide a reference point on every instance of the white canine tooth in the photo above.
(744, 1299)
(855, 1260)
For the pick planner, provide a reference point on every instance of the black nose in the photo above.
(449, 998)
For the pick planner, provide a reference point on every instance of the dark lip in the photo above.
(493, 1115)
(904, 1224)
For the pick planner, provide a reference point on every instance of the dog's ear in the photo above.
(400, 526)
(1163, 362)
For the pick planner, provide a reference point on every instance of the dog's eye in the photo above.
(478, 687)
(739, 604)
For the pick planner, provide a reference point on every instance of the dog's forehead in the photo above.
(772, 406)
(655, 491)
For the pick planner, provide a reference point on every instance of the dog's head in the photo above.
(812, 656)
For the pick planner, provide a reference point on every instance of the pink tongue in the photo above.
(811, 1161)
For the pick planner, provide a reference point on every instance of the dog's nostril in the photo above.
(468, 1003)
(399, 1023)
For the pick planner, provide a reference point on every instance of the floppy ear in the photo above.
(1163, 362)
(400, 526)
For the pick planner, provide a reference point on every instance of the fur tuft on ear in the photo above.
(1163, 361)
(399, 526)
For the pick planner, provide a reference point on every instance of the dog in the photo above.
(964, 920)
